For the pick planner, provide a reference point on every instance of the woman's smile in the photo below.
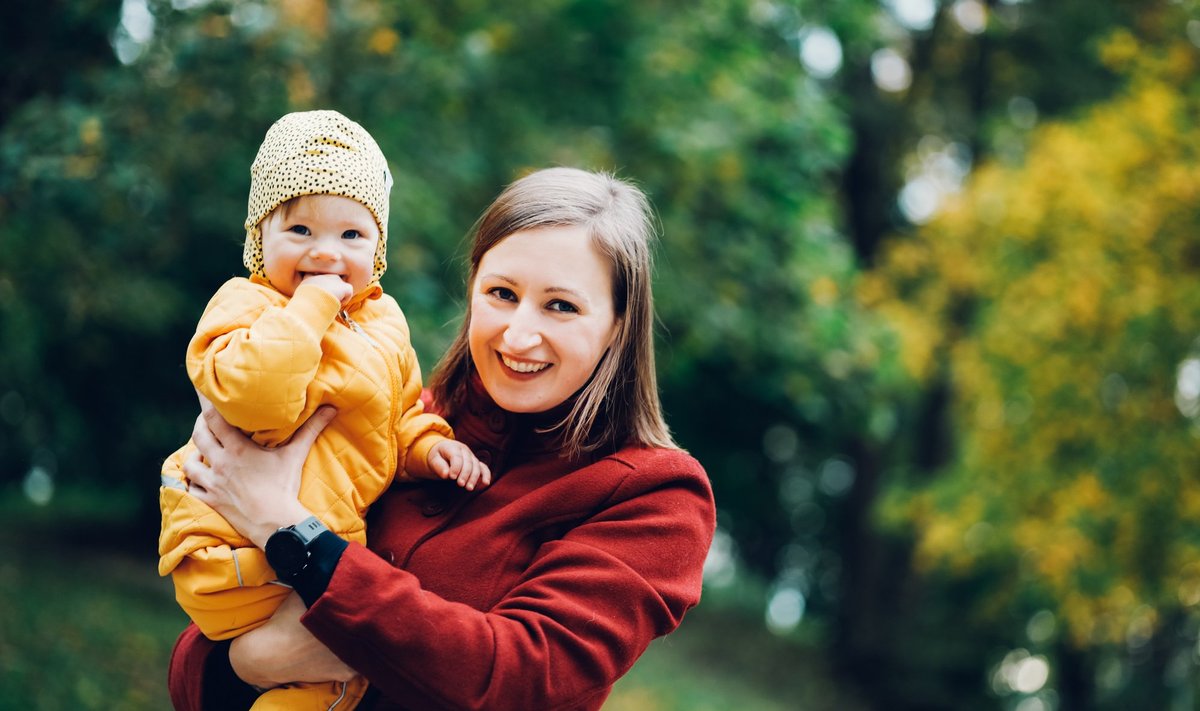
(524, 367)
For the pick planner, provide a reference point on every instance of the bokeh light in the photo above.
(785, 610)
(890, 70)
(970, 15)
(914, 14)
(820, 52)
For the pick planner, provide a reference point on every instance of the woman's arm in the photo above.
(223, 675)
(283, 651)
(588, 605)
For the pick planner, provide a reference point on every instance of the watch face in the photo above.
(286, 552)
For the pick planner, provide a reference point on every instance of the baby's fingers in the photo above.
(478, 474)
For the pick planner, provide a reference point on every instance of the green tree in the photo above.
(1058, 296)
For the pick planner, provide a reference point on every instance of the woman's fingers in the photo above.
(307, 434)
(197, 473)
(203, 437)
(222, 433)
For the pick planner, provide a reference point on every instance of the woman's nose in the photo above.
(522, 332)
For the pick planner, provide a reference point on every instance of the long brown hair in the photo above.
(619, 405)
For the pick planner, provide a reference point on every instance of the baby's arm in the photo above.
(255, 353)
(449, 459)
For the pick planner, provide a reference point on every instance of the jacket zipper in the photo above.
(393, 382)
(353, 326)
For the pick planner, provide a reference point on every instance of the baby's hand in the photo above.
(455, 461)
(332, 283)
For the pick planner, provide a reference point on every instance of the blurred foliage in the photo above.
(1057, 296)
(1003, 376)
(134, 182)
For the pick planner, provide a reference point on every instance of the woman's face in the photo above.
(541, 317)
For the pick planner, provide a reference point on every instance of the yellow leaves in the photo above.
(90, 132)
(729, 167)
(383, 41)
(1157, 106)
(311, 16)
(1085, 496)
(946, 537)
(1120, 51)
(823, 291)
(300, 87)
(919, 339)
(216, 26)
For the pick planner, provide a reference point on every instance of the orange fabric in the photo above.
(267, 363)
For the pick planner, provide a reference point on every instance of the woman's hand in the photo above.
(254, 488)
(283, 651)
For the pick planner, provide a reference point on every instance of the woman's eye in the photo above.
(351, 234)
(502, 293)
(300, 230)
(563, 307)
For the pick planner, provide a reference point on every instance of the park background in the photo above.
(927, 289)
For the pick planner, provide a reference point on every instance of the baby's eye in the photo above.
(565, 307)
(300, 230)
(502, 293)
(351, 234)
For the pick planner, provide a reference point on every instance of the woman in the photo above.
(539, 591)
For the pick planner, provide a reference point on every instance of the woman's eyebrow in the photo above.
(501, 277)
(580, 296)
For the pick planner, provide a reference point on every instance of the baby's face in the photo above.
(319, 234)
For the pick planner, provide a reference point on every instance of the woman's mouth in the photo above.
(523, 366)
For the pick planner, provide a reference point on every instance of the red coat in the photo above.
(537, 592)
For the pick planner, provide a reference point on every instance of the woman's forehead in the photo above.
(558, 258)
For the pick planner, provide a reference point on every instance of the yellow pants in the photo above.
(313, 697)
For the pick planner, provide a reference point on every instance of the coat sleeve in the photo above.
(199, 676)
(585, 610)
(254, 357)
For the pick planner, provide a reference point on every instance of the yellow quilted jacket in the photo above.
(267, 363)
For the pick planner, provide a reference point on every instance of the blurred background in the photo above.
(927, 288)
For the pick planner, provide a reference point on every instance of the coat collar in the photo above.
(508, 438)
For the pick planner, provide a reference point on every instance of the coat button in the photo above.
(497, 421)
(433, 508)
(484, 456)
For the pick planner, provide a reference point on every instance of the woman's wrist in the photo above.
(287, 515)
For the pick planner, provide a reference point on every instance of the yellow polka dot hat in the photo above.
(316, 153)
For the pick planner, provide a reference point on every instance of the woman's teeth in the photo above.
(522, 367)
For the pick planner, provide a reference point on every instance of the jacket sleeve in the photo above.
(585, 610)
(417, 430)
(255, 358)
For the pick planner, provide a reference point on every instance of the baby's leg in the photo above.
(313, 697)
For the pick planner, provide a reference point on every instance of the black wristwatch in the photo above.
(289, 548)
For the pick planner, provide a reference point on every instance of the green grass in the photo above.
(83, 628)
(86, 623)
